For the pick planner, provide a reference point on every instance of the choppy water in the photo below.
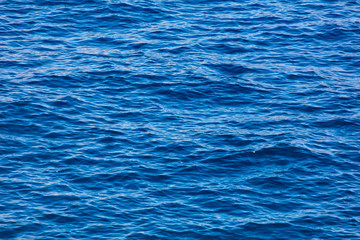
(179, 119)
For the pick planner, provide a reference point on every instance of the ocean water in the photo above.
(178, 119)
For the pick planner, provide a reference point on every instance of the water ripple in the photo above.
(179, 119)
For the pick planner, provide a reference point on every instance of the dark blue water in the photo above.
(179, 119)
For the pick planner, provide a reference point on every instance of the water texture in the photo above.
(179, 119)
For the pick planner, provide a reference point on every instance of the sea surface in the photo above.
(179, 119)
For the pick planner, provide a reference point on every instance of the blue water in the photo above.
(179, 119)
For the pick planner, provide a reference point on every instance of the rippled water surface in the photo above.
(178, 119)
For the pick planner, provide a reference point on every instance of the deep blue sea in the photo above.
(179, 119)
